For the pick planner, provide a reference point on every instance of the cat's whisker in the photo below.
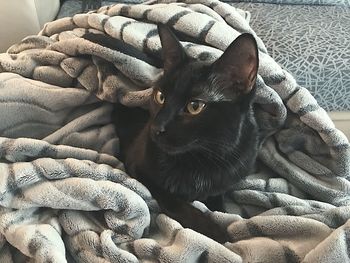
(216, 156)
(197, 159)
(218, 163)
(234, 151)
(226, 163)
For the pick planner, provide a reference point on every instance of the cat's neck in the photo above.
(198, 173)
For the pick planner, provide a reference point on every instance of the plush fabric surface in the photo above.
(64, 193)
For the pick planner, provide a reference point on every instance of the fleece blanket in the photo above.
(65, 196)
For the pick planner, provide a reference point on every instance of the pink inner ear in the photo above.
(251, 75)
(239, 63)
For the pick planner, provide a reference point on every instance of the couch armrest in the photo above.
(20, 18)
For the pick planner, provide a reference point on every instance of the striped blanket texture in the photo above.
(64, 196)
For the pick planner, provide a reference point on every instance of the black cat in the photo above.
(199, 136)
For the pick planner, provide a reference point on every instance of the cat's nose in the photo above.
(157, 129)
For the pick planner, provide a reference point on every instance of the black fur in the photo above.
(182, 157)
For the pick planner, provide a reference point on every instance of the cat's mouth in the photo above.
(174, 149)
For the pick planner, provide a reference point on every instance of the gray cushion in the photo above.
(311, 42)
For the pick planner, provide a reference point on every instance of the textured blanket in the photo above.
(64, 194)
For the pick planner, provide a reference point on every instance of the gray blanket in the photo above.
(64, 194)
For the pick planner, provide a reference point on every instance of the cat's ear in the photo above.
(238, 65)
(173, 52)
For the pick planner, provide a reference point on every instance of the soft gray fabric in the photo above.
(312, 43)
(64, 194)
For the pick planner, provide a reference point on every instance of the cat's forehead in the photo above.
(193, 81)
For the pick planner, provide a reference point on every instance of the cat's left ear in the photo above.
(238, 66)
(173, 53)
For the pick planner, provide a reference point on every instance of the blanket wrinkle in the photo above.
(65, 196)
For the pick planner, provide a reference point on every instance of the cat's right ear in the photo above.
(238, 66)
(172, 50)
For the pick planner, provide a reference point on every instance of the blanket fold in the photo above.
(64, 195)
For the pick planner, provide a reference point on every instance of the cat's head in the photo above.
(195, 104)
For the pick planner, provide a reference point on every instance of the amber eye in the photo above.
(159, 98)
(195, 107)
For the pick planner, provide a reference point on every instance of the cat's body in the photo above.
(199, 136)
(198, 173)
